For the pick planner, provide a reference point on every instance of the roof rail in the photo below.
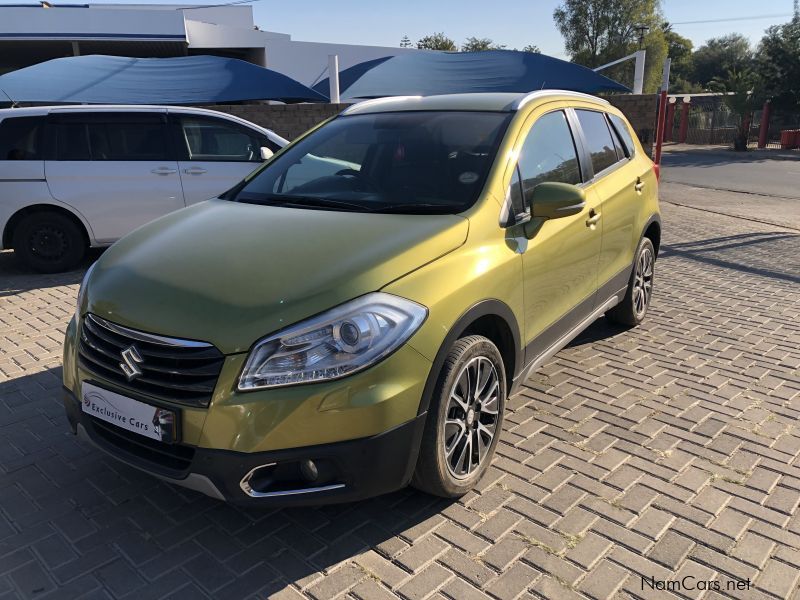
(375, 101)
(523, 100)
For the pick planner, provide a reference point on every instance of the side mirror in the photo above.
(266, 153)
(552, 200)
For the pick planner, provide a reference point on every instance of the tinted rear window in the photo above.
(111, 136)
(598, 139)
(20, 138)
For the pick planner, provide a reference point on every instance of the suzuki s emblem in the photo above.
(131, 359)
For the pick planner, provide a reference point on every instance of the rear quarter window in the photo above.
(21, 138)
(624, 133)
(598, 139)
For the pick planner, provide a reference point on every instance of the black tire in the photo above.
(435, 473)
(633, 308)
(49, 242)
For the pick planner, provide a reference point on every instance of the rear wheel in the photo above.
(464, 421)
(49, 242)
(633, 308)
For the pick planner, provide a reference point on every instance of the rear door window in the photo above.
(598, 139)
(624, 134)
(112, 136)
(21, 138)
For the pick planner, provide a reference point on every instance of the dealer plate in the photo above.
(145, 419)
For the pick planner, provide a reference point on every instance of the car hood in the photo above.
(230, 273)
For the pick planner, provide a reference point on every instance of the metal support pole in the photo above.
(638, 71)
(333, 77)
(670, 122)
(684, 129)
(763, 130)
(662, 111)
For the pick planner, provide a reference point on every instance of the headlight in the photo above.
(336, 343)
(82, 290)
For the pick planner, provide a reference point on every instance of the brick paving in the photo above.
(669, 454)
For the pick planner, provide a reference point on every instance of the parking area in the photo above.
(657, 463)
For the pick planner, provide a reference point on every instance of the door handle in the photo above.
(639, 185)
(164, 171)
(593, 219)
(194, 171)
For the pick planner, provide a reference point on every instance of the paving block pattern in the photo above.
(662, 462)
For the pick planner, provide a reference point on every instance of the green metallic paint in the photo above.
(231, 273)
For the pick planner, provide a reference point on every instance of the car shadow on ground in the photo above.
(52, 482)
(714, 157)
(16, 277)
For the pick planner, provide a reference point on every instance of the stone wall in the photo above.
(291, 120)
(640, 109)
(287, 120)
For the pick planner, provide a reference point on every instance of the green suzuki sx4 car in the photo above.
(353, 316)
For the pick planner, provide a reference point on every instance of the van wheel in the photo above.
(49, 242)
(633, 308)
(464, 421)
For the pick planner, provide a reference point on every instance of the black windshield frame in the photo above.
(374, 174)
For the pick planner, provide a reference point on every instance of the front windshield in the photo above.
(403, 162)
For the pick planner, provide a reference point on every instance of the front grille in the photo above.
(166, 459)
(181, 371)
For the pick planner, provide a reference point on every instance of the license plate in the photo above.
(145, 419)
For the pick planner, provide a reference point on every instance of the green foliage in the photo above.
(599, 31)
(679, 49)
(743, 95)
(778, 63)
(533, 48)
(436, 41)
(718, 56)
(405, 42)
(474, 44)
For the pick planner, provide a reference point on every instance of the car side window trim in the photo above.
(629, 152)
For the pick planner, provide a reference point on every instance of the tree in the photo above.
(742, 95)
(405, 42)
(778, 63)
(474, 44)
(721, 55)
(533, 48)
(436, 41)
(679, 49)
(599, 31)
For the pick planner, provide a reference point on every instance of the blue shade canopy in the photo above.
(119, 80)
(428, 73)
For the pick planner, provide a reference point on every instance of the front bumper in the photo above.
(346, 471)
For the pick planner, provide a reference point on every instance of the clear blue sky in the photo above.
(516, 23)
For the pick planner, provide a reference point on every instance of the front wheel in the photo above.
(633, 308)
(464, 421)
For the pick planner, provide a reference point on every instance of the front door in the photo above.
(114, 168)
(215, 154)
(560, 255)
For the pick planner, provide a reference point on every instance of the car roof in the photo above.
(35, 111)
(492, 102)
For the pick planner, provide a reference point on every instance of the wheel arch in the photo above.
(652, 231)
(16, 218)
(492, 319)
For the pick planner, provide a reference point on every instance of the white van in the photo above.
(78, 176)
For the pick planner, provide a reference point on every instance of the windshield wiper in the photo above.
(418, 209)
(301, 201)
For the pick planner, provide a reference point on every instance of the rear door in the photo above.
(614, 185)
(116, 168)
(214, 153)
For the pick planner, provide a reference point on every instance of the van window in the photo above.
(598, 139)
(624, 133)
(20, 138)
(548, 154)
(210, 139)
(120, 137)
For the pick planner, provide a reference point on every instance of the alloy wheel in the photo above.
(643, 281)
(471, 419)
